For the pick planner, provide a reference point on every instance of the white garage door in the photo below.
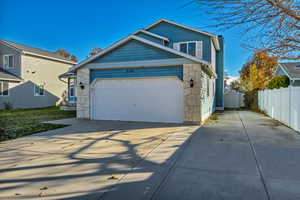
(150, 100)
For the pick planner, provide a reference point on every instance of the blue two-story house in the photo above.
(166, 72)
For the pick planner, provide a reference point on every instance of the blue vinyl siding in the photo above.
(220, 74)
(178, 34)
(138, 72)
(150, 38)
(134, 51)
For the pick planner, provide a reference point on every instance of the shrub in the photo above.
(280, 81)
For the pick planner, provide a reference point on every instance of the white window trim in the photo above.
(1, 89)
(176, 46)
(208, 87)
(13, 61)
(38, 95)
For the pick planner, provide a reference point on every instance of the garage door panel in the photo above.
(153, 100)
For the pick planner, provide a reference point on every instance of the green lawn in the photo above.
(17, 123)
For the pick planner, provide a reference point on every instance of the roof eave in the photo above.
(170, 50)
(67, 75)
(152, 34)
(180, 25)
(285, 71)
(10, 46)
(10, 80)
(48, 57)
(214, 37)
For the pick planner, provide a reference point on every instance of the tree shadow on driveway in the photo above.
(90, 158)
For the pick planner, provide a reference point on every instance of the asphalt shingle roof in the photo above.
(4, 75)
(35, 50)
(293, 69)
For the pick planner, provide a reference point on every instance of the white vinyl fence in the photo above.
(233, 100)
(282, 104)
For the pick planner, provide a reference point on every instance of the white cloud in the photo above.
(231, 79)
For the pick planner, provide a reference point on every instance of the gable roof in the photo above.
(153, 44)
(291, 69)
(7, 76)
(214, 37)
(36, 52)
(152, 34)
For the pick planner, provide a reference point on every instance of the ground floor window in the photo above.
(39, 90)
(208, 87)
(4, 88)
(72, 90)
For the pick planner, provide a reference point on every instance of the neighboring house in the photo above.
(291, 70)
(166, 72)
(29, 76)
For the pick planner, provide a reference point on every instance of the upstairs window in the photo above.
(165, 43)
(193, 48)
(4, 88)
(8, 61)
(183, 47)
(39, 90)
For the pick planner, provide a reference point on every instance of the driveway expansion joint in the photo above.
(258, 165)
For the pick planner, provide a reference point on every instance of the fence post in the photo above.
(280, 104)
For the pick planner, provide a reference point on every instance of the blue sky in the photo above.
(78, 26)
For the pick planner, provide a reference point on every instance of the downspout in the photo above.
(59, 78)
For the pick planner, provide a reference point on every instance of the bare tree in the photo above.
(95, 51)
(273, 25)
(74, 58)
(63, 53)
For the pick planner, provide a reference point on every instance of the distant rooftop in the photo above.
(7, 76)
(38, 51)
(292, 68)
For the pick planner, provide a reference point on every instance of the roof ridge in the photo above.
(175, 22)
(214, 36)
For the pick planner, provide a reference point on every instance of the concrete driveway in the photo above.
(242, 155)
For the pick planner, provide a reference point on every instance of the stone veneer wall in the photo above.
(192, 96)
(83, 96)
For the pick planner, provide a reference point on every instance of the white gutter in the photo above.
(13, 80)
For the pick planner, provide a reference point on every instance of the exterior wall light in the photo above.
(191, 83)
(81, 85)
